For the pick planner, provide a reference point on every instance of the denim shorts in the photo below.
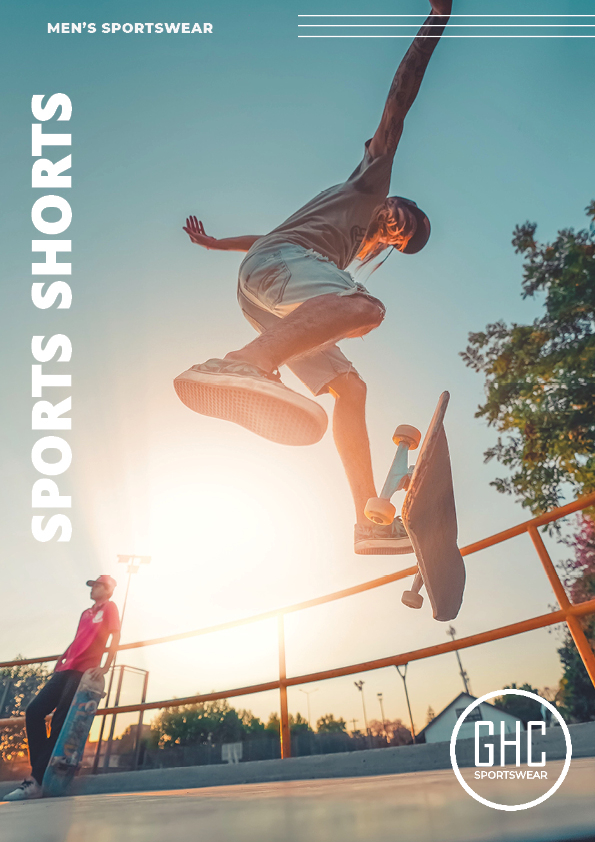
(274, 281)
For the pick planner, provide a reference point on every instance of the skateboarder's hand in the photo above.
(441, 7)
(196, 231)
(98, 672)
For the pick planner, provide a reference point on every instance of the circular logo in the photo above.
(453, 756)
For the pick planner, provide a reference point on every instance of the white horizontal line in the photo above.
(447, 36)
(452, 25)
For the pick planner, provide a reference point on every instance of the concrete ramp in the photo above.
(416, 807)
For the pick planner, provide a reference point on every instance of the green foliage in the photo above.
(526, 709)
(580, 570)
(297, 724)
(577, 694)
(209, 722)
(20, 684)
(327, 724)
(540, 378)
(273, 725)
(540, 397)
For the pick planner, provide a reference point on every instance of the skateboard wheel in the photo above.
(412, 599)
(379, 510)
(408, 435)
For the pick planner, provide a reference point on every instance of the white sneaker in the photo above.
(246, 395)
(27, 790)
(377, 539)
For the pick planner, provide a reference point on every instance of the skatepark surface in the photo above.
(415, 807)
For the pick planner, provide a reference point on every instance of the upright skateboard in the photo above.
(68, 752)
(428, 515)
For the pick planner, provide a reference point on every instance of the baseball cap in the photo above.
(422, 234)
(109, 583)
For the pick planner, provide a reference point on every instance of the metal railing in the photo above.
(568, 612)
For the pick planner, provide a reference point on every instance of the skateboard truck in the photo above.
(413, 598)
(380, 509)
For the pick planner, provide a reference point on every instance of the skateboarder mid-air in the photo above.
(295, 291)
(84, 653)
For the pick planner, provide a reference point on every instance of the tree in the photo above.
(540, 396)
(18, 686)
(297, 724)
(396, 733)
(253, 726)
(430, 715)
(540, 378)
(577, 694)
(377, 728)
(580, 570)
(526, 709)
(206, 722)
(273, 726)
(327, 724)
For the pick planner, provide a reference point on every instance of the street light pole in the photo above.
(404, 677)
(360, 687)
(451, 633)
(307, 692)
(132, 568)
(382, 712)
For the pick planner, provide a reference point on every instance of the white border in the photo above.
(510, 808)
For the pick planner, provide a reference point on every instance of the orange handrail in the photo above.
(492, 540)
(568, 613)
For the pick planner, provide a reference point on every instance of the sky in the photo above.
(241, 128)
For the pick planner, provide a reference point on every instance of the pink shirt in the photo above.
(94, 628)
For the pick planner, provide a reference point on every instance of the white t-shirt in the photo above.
(334, 222)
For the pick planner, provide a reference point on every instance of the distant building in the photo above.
(440, 729)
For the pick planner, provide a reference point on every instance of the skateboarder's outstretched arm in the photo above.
(196, 231)
(408, 79)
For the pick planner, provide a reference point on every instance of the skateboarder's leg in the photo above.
(313, 303)
(317, 322)
(56, 696)
(329, 370)
(351, 438)
(37, 710)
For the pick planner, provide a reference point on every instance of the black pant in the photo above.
(56, 696)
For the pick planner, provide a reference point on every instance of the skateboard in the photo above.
(428, 515)
(68, 752)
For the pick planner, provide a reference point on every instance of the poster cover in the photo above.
(193, 454)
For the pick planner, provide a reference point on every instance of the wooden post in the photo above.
(574, 624)
(285, 734)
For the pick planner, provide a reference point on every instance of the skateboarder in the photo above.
(295, 291)
(85, 652)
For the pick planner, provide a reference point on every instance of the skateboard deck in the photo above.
(429, 516)
(68, 752)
